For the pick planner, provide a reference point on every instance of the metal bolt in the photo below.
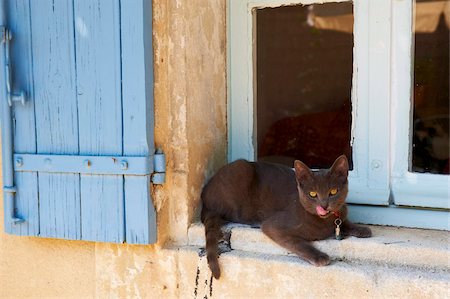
(124, 165)
(87, 163)
(48, 162)
(376, 164)
(19, 162)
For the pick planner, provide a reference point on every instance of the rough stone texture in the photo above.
(257, 275)
(190, 103)
(388, 245)
(130, 271)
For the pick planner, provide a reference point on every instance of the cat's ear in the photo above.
(340, 166)
(302, 172)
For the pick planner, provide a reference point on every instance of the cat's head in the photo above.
(322, 192)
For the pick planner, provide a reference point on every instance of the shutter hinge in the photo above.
(159, 175)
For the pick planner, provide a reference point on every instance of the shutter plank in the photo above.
(97, 38)
(102, 211)
(24, 124)
(56, 114)
(137, 76)
(60, 208)
(140, 212)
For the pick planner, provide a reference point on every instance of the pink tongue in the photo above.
(321, 211)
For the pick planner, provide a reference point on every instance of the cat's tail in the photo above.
(213, 233)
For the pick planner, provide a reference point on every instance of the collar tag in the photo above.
(337, 230)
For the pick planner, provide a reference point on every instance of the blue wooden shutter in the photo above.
(83, 141)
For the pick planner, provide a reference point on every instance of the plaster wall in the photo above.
(190, 103)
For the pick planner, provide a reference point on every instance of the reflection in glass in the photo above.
(431, 87)
(304, 74)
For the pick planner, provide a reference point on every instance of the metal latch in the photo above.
(9, 190)
(19, 96)
(159, 176)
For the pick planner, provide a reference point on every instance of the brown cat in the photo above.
(292, 208)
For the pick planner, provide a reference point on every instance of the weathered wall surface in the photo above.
(190, 103)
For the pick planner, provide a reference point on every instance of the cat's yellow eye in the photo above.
(333, 191)
(312, 194)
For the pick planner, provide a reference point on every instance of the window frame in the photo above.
(405, 190)
(381, 189)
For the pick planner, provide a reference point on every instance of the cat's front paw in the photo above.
(361, 232)
(321, 259)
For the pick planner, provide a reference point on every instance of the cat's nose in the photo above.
(324, 206)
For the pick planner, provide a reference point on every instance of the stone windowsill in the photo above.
(388, 245)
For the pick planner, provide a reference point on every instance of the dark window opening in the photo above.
(304, 78)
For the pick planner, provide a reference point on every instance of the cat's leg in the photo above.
(213, 233)
(287, 239)
(351, 229)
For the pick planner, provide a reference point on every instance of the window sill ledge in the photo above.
(421, 248)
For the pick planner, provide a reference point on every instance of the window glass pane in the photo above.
(431, 87)
(303, 84)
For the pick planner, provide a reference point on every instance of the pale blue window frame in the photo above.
(381, 99)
